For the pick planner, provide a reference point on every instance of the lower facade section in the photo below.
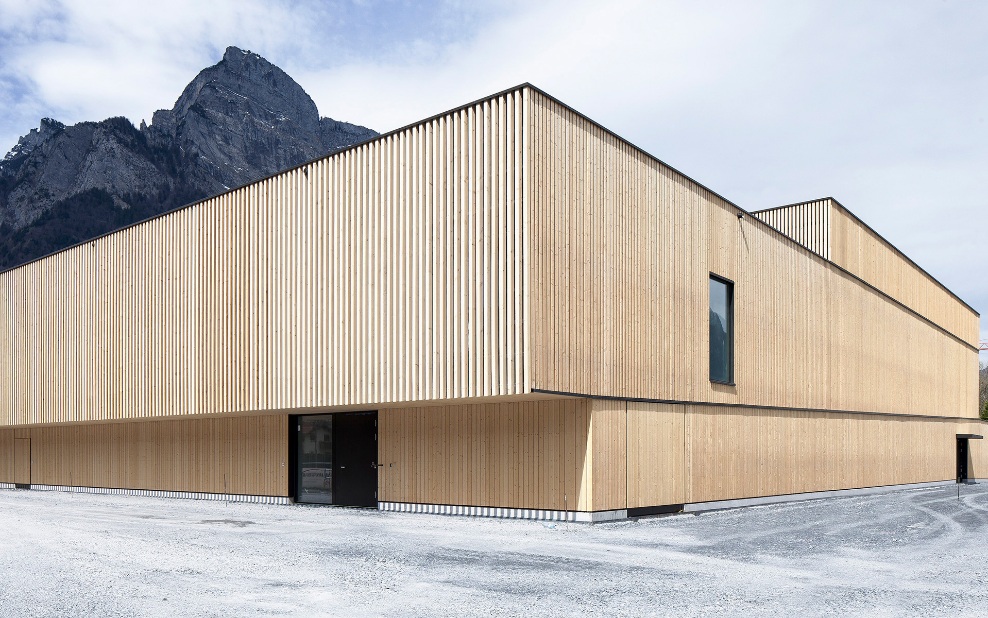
(558, 459)
(227, 455)
(594, 455)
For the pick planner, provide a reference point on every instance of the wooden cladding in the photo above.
(513, 455)
(828, 229)
(707, 453)
(861, 251)
(232, 455)
(622, 250)
(656, 454)
(807, 223)
(394, 271)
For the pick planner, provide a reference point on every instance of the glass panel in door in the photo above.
(315, 459)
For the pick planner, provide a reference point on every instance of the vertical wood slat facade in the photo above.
(394, 271)
(807, 223)
(621, 259)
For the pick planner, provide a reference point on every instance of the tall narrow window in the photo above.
(721, 330)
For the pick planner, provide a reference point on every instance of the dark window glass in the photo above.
(721, 331)
(315, 459)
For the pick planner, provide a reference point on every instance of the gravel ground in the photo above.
(904, 553)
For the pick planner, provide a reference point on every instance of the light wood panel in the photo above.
(235, 455)
(656, 454)
(622, 250)
(606, 466)
(395, 271)
(514, 455)
(22, 460)
(807, 223)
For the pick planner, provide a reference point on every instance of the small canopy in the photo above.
(970, 436)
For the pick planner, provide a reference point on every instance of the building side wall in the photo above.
(228, 455)
(861, 251)
(622, 250)
(752, 452)
(807, 223)
(681, 453)
(392, 272)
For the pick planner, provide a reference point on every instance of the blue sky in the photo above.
(882, 105)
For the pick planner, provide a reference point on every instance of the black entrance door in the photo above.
(355, 459)
(962, 460)
(337, 459)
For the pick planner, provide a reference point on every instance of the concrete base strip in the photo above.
(699, 507)
(506, 513)
(151, 493)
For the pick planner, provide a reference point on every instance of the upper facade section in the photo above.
(828, 229)
(508, 247)
(394, 271)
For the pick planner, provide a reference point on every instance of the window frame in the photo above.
(730, 329)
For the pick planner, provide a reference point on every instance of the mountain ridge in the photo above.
(237, 121)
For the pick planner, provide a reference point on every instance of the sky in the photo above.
(880, 104)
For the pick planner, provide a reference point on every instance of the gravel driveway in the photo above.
(908, 553)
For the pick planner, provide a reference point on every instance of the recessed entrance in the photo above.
(964, 471)
(337, 459)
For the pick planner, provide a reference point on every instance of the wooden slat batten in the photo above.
(393, 271)
(807, 223)
(622, 250)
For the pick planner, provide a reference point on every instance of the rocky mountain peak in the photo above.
(241, 83)
(26, 144)
(242, 115)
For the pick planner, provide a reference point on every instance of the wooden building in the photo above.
(503, 309)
